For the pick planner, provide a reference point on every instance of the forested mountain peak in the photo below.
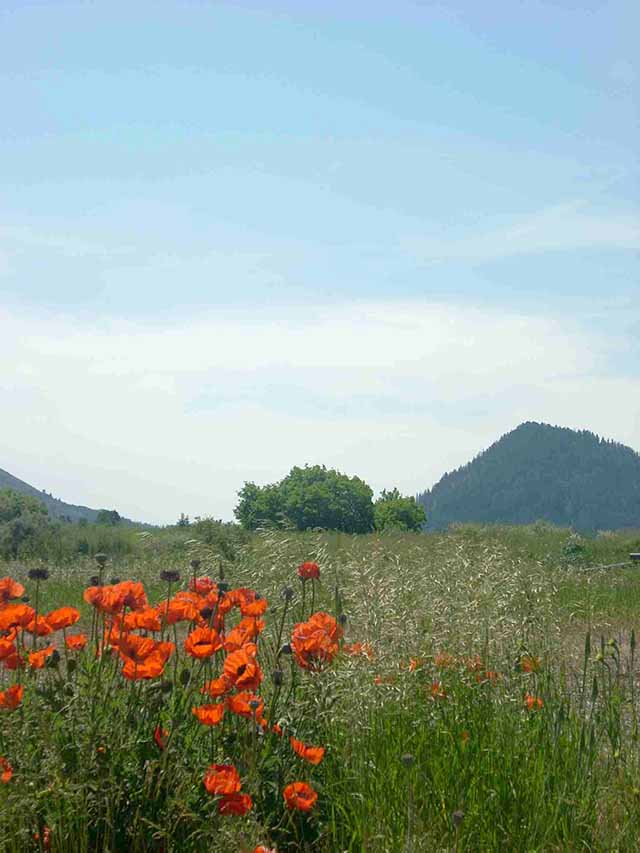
(536, 472)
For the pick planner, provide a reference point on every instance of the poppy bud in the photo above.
(285, 650)
(277, 676)
(287, 593)
(94, 580)
(170, 575)
(38, 574)
(25, 599)
(457, 817)
(100, 559)
(407, 759)
(342, 619)
(223, 587)
(195, 564)
(114, 581)
(54, 659)
(185, 677)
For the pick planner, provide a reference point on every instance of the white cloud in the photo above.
(157, 420)
(562, 227)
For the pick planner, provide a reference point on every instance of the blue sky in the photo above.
(441, 199)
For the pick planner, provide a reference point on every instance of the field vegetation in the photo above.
(469, 690)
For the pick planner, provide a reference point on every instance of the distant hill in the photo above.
(55, 507)
(541, 472)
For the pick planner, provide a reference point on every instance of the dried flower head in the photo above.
(170, 575)
(100, 559)
(287, 593)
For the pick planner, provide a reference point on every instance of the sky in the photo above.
(241, 236)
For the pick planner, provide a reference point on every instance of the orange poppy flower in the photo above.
(15, 616)
(160, 736)
(315, 642)
(209, 715)
(533, 703)
(10, 588)
(312, 754)
(7, 770)
(151, 666)
(235, 804)
(529, 663)
(40, 627)
(238, 637)
(254, 608)
(76, 642)
(364, 650)
(221, 779)
(203, 585)
(202, 643)
(7, 648)
(300, 795)
(93, 596)
(438, 691)
(240, 704)
(262, 849)
(242, 670)
(38, 659)
(277, 729)
(12, 697)
(178, 610)
(135, 647)
(142, 620)
(13, 661)
(64, 617)
(217, 687)
(309, 571)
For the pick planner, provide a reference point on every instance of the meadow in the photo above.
(470, 690)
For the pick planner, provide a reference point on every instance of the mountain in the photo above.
(56, 507)
(541, 472)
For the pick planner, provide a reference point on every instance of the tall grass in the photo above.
(430, 741)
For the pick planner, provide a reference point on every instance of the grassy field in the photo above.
(492, 706)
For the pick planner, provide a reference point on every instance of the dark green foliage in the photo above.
(392, 511)
(108, 516)
(308, 498)
(23, 522)
(540, 472)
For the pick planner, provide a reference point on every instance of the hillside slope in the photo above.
(542, 472)
(56, 507)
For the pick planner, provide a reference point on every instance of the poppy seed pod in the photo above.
(254, 704)
(285, 650)
(342, 619)
(278, 676)
(38, 574)
(114, 581)
(170, 575)
(287, 593)
(457, 817)
(195, 564)
(94, 580)
(100, 559)
(407, 759)
(25, 599)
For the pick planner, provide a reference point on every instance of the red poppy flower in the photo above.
(7, 770)
(312, 754)
(160, 736)
(533, 703)
(217, 687)
(76, 642)
(240, 704)
(242, 670)
(235, 804)
(12, 697)
(15, 616)
(38, 659)
(10, 588)
(221, 779)
(7, 648)
(262, 849)
(203, 585)
(202, 643)
(64, 617)
(143, 620)
(309, 571)
(209, 715)
(13, 661)
(299, 795)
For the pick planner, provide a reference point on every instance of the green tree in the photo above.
(392, 511)
(23, 522)
(108, 516)
(306, 498)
